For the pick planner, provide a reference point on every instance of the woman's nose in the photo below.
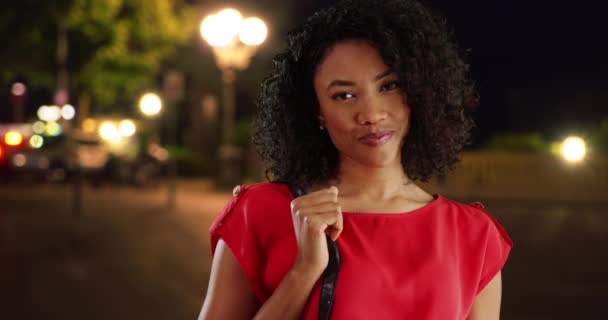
(372, 111)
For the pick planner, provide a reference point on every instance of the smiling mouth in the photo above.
(376, 139)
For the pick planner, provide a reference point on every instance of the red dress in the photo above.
(426, 264)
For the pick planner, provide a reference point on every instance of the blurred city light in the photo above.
(89, 125)
(49, 113)
(253, 31)
(42, 112)
(38, 127)
(19, 160)
(220, 29)
(109, 132)
(68, 112)
(36, 141)
(13, 138)
(53, 128)
(126, 128)
(18, 89)
(150, 104)
(573, 149)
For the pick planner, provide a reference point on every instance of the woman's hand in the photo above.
(314, 216)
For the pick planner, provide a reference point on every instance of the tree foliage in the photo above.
(115, 46)
(519, 142)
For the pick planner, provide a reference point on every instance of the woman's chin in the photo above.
(377, 161)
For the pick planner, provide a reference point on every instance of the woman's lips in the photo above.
(376, 139)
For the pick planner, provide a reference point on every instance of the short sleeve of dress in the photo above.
(496, 249)
(236, 225)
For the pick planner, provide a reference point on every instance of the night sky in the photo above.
(540, 66)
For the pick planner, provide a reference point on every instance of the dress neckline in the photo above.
(437, 199)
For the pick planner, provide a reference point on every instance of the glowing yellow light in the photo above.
(126, 128)
(219, 30)
(68, 112)
(253, 31)
(13, 138)
(150, 104)
(108, 131)
(53, 128)
(573, 149)
(89, 125)
(36, 141)
(38, 127)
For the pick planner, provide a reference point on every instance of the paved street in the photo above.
(127, 257)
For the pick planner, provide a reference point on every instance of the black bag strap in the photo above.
(330, 274)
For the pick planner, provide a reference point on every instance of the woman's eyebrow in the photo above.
(338, 83)
(383, 74)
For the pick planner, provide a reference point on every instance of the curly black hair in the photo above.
(413, 42)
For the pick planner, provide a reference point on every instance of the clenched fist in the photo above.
(315, 215)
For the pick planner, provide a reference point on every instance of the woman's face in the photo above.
(361, 104)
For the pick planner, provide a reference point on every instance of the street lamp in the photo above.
(234, 40)
(573, 149)
(150, 104)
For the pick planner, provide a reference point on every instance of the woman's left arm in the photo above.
(487, 303)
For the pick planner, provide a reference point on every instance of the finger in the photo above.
(336, 229)
(321, 208)
(315, 198)
(320, 222)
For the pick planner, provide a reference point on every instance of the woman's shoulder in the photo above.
(253, 200)
(474, 216)
(261, 192)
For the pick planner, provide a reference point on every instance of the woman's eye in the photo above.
(390, 86)
(343, 96)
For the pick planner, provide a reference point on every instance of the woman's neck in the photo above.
(373, 183)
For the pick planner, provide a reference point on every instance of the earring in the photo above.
(321, 127)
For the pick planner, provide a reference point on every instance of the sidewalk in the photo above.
(127, 257)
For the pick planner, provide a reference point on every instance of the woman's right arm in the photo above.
(230, 296)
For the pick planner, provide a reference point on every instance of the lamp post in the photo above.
(151, 105)
(234, 40)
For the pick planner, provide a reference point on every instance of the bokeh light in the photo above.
(253, 31)
(19, 160)
(126, 128)
(574, 149)
(13, 138)
(18, 89)
(89, 125)
(68, 112)
(38, 127)
(219, 30)
(53, 128)
(108, 131)
(36, 141)
(49, 113)
(150, 104)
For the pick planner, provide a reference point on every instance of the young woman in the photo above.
(368, 97)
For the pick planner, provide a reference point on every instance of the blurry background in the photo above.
(124, 124)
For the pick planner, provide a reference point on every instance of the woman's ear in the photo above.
(321, 123)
